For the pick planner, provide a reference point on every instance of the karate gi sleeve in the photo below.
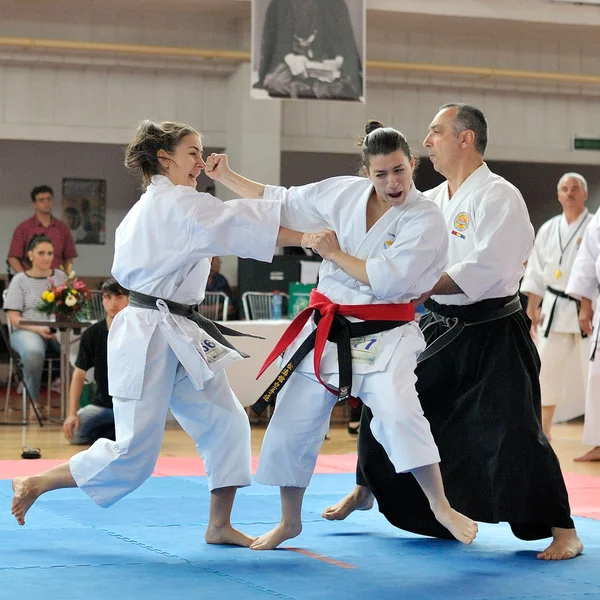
(583, 281)
(533, 281)
(245, 228)
(301, 205)
(503, 241)
(415, 261)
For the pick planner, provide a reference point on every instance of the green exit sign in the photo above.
(587, 143)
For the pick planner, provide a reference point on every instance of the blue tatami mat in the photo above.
(151, 546)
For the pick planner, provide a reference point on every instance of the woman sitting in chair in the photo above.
(23, 296)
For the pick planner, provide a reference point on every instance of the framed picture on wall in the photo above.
(84, 209)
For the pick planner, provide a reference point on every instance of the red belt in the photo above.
(328, 310)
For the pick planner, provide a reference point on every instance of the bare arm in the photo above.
(15, 264)
(75, 389)
(586, 314)
(533, 304)
(15, 319)
(289, 237)
(217, 168)
(445, 286)
(326, 244)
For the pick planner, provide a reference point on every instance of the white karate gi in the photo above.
(405, 253)
(583, 283)
(490, 232)
(564, 353)
(157, 360)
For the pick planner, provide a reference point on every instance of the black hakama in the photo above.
(481, 395)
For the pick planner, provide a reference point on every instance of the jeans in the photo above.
(33, 349)
(95, 422)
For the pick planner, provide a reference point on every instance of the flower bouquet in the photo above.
(69, 301)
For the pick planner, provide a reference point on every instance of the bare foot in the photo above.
(461, 527)
(26, 492)
(566, 544)
(276, 536)
(226, 534)
(360, 498)
(591, 456)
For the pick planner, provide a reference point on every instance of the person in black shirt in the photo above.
(95, 420)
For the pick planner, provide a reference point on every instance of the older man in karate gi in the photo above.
(562, 345)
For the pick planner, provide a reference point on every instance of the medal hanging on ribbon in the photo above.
(558, 274)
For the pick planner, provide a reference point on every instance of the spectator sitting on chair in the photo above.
(95, 420)
(217, 282)
(33, 342)
(44, 223)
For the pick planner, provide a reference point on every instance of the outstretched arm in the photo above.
(217, 168)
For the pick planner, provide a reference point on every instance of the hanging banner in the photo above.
(309, 49)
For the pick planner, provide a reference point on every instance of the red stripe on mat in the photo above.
(584, 490)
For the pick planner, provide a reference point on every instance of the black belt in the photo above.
(560, 294)
(457, 323)
(341, 332)
(215, 330)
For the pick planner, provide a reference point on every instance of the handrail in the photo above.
(244, 56)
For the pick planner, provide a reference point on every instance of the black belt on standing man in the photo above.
(560, 294)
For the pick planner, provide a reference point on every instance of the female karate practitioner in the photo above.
(394, 245)
(158, 357)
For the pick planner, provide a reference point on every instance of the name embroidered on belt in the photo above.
(332, 325)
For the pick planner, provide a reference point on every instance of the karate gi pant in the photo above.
(591, 426)
(564, 372)
(212, 417)
(303, 409)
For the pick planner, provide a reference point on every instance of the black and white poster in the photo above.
(309, 49)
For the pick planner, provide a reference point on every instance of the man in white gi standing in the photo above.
(583, 285)
(478, 378)
(562, 345)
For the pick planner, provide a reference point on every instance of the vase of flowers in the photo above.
(69, 301)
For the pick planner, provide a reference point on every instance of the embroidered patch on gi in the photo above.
(389, 242)
(460, 235)
(461, 222)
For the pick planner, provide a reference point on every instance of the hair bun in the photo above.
(372, 125)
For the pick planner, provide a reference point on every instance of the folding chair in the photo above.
(257, 305)
(15, 365)
(215, 306)
(97, 313)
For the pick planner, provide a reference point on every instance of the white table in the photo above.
(242, 373)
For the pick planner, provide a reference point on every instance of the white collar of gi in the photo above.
(161, 180)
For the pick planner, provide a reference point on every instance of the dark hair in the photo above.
(141, 156)
(36, 240)
(41, 189)
(113, 287)
(379, 139)
(468, 117)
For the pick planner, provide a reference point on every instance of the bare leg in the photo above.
(547, 416)
(566, 544)
(590, 456)
(291, 520)
(360, 498)
(220, 530)
(28, 489)
(430, 480)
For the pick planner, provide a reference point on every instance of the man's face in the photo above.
(442, 143)
(43, 203)
(571, 194)
(114, 303)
